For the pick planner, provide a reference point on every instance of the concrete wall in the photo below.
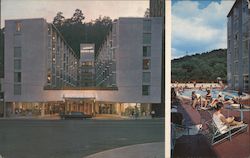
(129, 58)
(33, 43)
(242, 20)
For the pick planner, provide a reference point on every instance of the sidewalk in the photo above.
(97, 117)
(46, 117)
(148, 150)
(119, 117)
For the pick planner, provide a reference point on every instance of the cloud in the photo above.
(196, 30)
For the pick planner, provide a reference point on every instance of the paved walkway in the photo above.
(198, 146)
(97, 117)
(148, 150)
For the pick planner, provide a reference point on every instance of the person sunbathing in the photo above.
(208, 98)
(220, 98)
(221, 121)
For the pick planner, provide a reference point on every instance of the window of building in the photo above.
(236, 68)
(245, 48)
(49, 78)
(146, 38)
(146, 64)
(145, 90)
(49, 30)
(87, 63)
(17, 76)
(236, 82)
(17, 64)
(146, 77)
(17, 40)
(17, 89)
(18, 26)
(146, 51)
(146, 25)
(236, 54)
(17, 52)
(236, 37)
(245, 65)
(246, 83)
(113, 54)
(235, 12)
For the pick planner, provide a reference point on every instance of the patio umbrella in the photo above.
(218, 78)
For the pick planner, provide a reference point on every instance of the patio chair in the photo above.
(216, 136)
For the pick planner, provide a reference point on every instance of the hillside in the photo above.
(205, 67)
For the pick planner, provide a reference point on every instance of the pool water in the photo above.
(214, 93)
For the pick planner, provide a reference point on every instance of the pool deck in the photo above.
(198, 146)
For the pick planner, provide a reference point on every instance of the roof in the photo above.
(231, 10)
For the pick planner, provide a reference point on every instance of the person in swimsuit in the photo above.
(221, 121)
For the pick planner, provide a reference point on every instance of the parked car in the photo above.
(75, 115)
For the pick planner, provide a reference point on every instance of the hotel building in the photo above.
(238, 41)
(87, 65)
(42, 71)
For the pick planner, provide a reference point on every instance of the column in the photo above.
(43, 109)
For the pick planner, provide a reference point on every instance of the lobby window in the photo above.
(146, 51)
(145, 89)
(17, 76)
(17, 64)
(17, 89)
(17, 52)
(49, 77)
(146, 77)
(146, 26)
(18, 26)
(146, 64)
(146, 38)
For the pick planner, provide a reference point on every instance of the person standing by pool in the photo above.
(221, 121)
(196, 99)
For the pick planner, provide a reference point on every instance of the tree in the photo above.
(203, 67)
(59, 19)
(77, 17)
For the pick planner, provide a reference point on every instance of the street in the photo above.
(73, 138)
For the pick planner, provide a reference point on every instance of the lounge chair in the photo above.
(216, 136)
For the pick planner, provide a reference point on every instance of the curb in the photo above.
(146, 150)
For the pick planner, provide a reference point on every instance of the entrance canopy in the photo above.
(78, 98)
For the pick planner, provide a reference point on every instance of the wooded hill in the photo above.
(205, 67)
(74, 30)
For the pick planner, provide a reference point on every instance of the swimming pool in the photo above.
(214, 92)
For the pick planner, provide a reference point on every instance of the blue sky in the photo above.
(199, 26)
